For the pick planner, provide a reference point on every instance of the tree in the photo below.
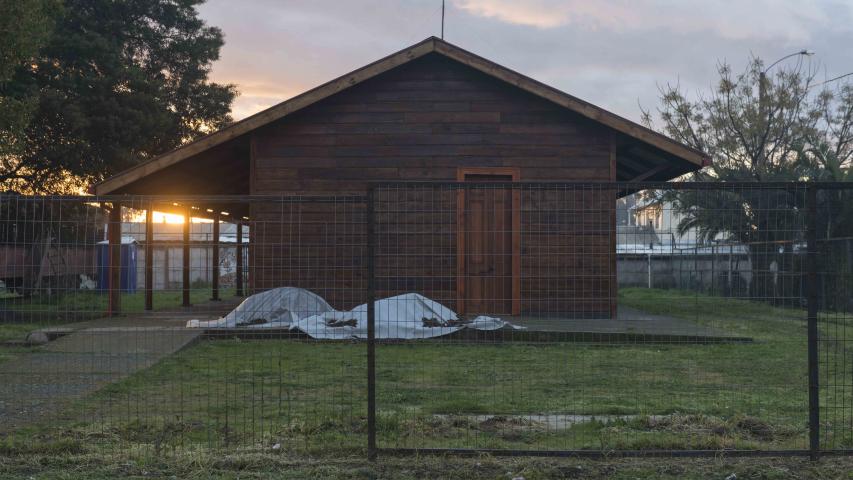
(827, 155)
(117, 83)
(758, 128)
(25, 27)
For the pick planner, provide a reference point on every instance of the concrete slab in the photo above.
(85, 356)
(630, 325)
(629, 320)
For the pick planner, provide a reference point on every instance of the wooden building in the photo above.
(432, 111)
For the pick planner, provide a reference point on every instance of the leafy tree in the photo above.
(25, 27)
(118, 83)
(760, 128)
(827, 155)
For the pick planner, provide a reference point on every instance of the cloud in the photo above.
(532, 14)
(794, 19)
(612, 53)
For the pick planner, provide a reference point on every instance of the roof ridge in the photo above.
(431, 44)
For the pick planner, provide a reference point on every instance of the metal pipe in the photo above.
(814, 389)
(371, 326)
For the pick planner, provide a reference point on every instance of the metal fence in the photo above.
(488, 316)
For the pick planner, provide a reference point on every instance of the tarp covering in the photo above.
(276, 308)
(407, 316)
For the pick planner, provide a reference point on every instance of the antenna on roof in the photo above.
(442, 19)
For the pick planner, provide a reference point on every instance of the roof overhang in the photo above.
(689, 158)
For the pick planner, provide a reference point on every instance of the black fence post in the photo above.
(814, 392)
(371, 325)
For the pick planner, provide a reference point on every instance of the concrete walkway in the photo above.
(86, 356)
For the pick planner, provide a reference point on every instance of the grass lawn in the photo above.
(83, 305)
(310, 397)
(52, 311)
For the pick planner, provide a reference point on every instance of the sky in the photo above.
(613, 53)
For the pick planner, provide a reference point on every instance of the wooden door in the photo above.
(489, 281)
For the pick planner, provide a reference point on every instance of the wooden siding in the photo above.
(423, 121)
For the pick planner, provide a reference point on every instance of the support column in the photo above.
(114, 254)
(186, 258)
(149, 258)
(214, 267)
(251, 266)
(238, 278)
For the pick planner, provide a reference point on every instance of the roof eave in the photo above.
(429, 45)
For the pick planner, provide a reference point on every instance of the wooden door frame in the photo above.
(515, 175)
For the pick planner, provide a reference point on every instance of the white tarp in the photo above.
(276, 308)
(406, 316)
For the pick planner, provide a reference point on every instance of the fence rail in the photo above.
(509, 318)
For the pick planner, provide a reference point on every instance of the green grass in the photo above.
(310, 397)
(54, 310)
(16, 332)
(35, 313)
(83, 303)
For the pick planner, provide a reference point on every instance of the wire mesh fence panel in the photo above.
(554, 328)
(512, 317)
(128, 330)
(833, 294)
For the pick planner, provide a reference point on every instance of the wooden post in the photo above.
(239, 274)
(114, 253)
(186, 257)
(613, 277)
(214, 264)
(167, 268)
(251, 268)
(149, 258)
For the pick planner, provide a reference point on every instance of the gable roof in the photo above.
(427, 46)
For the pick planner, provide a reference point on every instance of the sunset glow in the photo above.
(162, 217)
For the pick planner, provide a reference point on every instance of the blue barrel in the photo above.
(128, 265)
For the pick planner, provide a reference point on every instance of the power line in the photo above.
(834, 79)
